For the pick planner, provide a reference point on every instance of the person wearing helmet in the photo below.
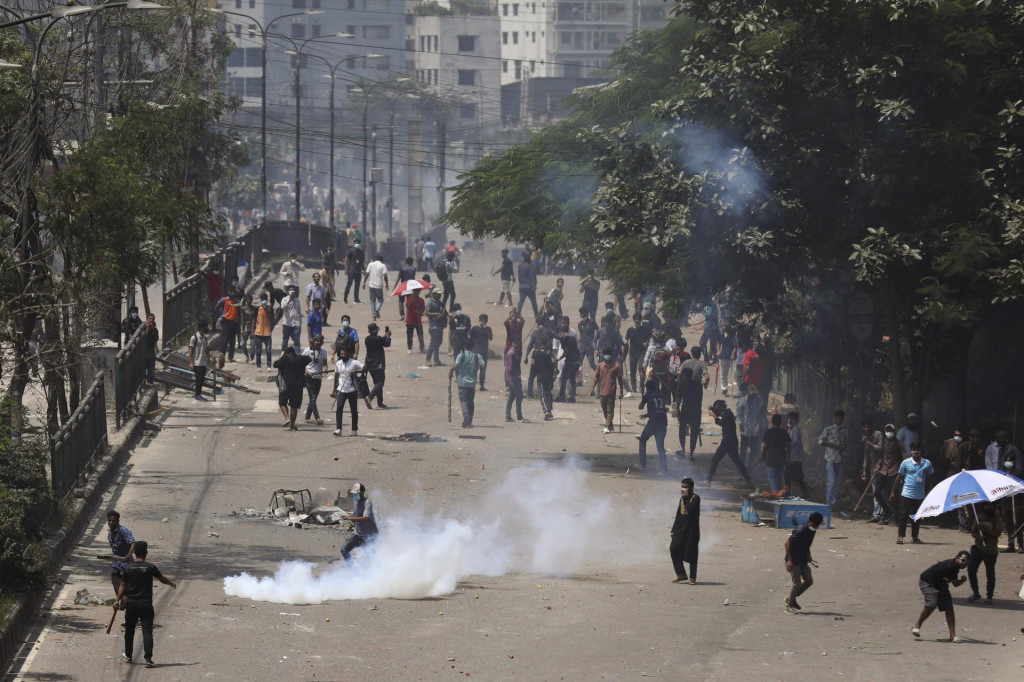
(658, 360)
(363, 518)
(934, 583)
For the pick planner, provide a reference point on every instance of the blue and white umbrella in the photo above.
(968, 487)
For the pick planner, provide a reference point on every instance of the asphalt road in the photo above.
(614, 616)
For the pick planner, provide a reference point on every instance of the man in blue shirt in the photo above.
(908, 434)
(912, 475)
(798, 559)
(122, 547)
(467, 365)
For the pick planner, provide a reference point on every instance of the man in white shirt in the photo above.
(345, 389)
(376, 274)
(315, 371)
(291, 319)
(290, 270)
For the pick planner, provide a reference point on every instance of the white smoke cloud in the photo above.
(540, 519)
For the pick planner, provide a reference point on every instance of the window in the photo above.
(504, 66)
(238, 32)
(534, 7)
(382, 63)
(467, 110)
(377, 32)
(519, 69)
(237, 57)
(253, 56)
(299, 4)
(515, 37)
(504, 10)
(298, 30)
(533, 66)
(316, 4)
(252, 5)
(567, 37)
(238, 4)
(351, 4)
(316, 29)
(533, 36)
(351, 29)
(237, 86)
(515, 10)
(467, 77)
(423, 43)
(253, 87)
(504, 37)
(467, 43)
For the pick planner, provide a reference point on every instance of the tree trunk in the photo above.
(71, 367)
(145, 297)
(896, 377)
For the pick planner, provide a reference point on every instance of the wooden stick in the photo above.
(857, 506)
(112, 617)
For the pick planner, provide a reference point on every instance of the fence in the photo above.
(74, 446)
(182, 307)
(129, 374)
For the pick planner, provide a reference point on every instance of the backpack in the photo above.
(344, 342)
(441, 270)
(661, 362)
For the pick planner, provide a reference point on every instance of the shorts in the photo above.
(290, 398)
(934, 597)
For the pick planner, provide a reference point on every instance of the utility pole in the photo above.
(442, 143)
(298, 137)
(391, 172)
(373, 190)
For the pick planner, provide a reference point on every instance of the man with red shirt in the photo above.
(752, 367)
(514, 324)
(414, 307)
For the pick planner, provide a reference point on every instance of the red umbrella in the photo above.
(410, 285)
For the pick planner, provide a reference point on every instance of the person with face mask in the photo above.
(345, 390)
(315, 371)
(131, 323)
(685, 544)
(886, 469)
(363, 518)
(1002, 455)
(608, 374)
(910, 481)
(347, 338)
(934, 583)
(798, 559)
(985, 550)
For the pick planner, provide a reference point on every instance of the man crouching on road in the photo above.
(364, 519)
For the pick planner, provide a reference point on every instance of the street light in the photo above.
(264, 30)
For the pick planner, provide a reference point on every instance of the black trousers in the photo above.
(134, 613)
(229, 330)
(313, 385)
(693, 425)
(634, 370)
(979, 557)
(409, 331)
(908, 506)
(676, 551)
(448, 298)
(794, 473)
(515, 395)
(728, 449)
(200, 371)
(353, 278)
(378, 386)
(353, 407)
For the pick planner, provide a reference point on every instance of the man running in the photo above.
(730, 445)
(508, 278)
(798, 559)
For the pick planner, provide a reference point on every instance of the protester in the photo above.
(355, 260)
(730, 446)
(514, 380)
(428, 253)
(934, 584)
(908, 434)
(346, 338)
(637, 338)
(480, 338)
(985, 550)
(459, 325)
(291, 319)
(290, 270)
(543, 363)
(467, 365)
(798, 559)
(554, 297)
(199, 358)
(657, 424)
(775, 450)
(407, 273)
(445, 271)
(685, 546)
(569, 347)
(437, 319)
(375, 363)
(752, 416)
(590, 287)
(514, 324)
(315, 291)
(797, 456)
(364, 520)
(314, 373)
(262, 331)
(607, 375)
(291, 380)
(587, 330)
(1004, 456)
(229, 322)
(833, 439)
(137, 590)
(122, 548)
(912, 475)
(314, 321)
(414, 310)
(376, 281)
(539, 338)
(527, 284)
(150, 338)
(871, 441)
(345, 390)
(690, 409)
(508, 278)
(132, 323)
(887, 467)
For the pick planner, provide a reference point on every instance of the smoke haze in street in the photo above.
(540, 519)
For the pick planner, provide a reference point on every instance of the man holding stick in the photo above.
(137, 587)
(122, 547)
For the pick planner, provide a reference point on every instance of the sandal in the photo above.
(899, 541)
(956, 640)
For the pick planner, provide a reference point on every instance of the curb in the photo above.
(87, 500)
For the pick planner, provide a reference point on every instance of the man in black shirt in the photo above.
(137, 587)
(508, 278)
(354, 262)
(570, 348)
(374, 364)
(775, 447)
(934, 584)
(291, 382)
(798, 559)
(480, 338)
(459, 325)
(730, 445)
(637, 338)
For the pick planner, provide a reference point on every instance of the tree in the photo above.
(810, 149)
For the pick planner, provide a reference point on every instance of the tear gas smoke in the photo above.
(540, 519)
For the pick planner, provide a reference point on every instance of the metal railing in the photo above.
(129, 374)
(183, 305)
(78, 441)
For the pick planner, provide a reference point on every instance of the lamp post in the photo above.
(264, 30)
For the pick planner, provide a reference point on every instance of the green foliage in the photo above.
(25, 500)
